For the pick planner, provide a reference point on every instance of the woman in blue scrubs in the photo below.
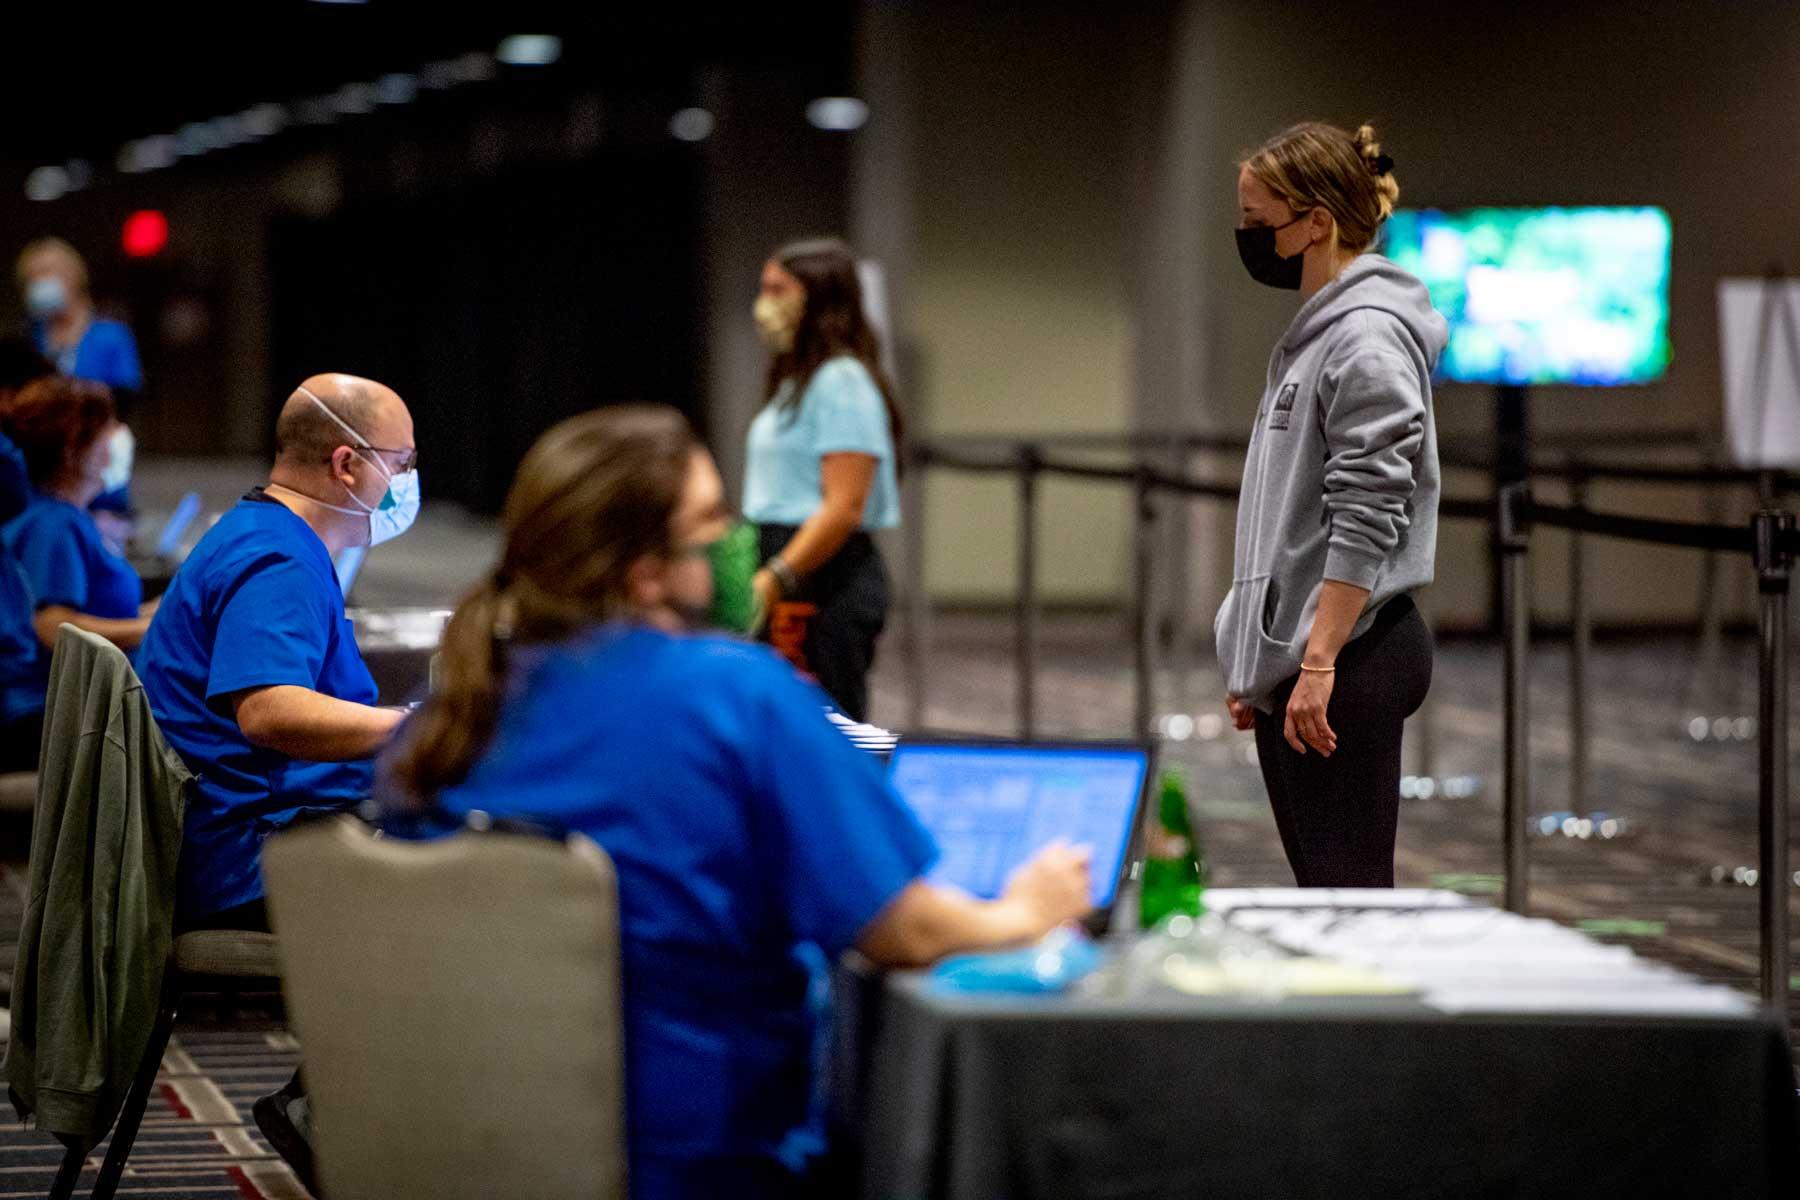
(21, 723)
(821, 472)
(53, 279)
(61, 427)
(744, 827)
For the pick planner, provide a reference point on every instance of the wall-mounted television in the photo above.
(1543, 295)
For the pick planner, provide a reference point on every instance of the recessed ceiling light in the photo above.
(840, 114)
(47, 183)
(691, 125)
(529, 50)
(397, 88)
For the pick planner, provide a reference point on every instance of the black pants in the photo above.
(1338, 815)
(829, 629)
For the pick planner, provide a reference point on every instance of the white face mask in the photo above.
(120, 450)
(46, 297)
(399, 505)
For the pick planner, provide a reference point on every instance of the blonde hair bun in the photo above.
(1387, 188)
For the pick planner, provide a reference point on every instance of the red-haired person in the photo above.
(62, 426)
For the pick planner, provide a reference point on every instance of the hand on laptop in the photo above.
(1053, 886)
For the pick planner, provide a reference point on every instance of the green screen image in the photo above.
(1543, 295)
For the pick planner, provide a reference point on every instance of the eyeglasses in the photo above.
(407, 463)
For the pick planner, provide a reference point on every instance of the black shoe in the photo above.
(271, 1113)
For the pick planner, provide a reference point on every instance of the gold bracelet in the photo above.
(1318, 670)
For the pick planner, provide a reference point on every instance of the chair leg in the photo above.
(132, 1114)
(68, 1174)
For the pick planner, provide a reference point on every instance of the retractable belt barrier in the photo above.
(1770, 540)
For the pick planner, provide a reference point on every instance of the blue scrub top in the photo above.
(18, 640)
(255, 605)
(63, 560)
(841, 411)
(106, 353)
(743, 826)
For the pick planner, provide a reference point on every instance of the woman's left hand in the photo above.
(1305, 724)
(767, 591)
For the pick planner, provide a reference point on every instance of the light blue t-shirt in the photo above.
(840, 412)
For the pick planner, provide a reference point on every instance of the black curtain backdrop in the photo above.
(503, 306)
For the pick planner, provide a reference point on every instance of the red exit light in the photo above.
(146, 234)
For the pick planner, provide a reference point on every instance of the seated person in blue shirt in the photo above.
(60, 426)
(21, 715)
(573, 695)
(250, 666)
(53, 279)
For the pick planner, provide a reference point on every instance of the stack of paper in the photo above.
(1470, 958)
(874, 739)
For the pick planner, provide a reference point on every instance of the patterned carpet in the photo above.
(197, 1138)
(1667, 889)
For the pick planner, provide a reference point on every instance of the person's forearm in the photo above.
(926, 922)
(821, 536)
(123, 632)
(1340, 604)
(309, 725)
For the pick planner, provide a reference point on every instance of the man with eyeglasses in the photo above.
(250, 666)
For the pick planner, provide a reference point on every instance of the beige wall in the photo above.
(1020, 314)
(1029, 221)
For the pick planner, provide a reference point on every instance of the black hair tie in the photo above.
(1383, 165)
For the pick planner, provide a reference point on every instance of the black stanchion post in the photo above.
(1580, 643)
(1773, 533)
(1025, 625)
(1513, 536)
(1512, 462)
(1144, 547)
(918, 601)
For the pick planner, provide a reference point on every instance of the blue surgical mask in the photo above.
(46, 297)
(398, 508)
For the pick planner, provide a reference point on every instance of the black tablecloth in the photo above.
(987, 1098)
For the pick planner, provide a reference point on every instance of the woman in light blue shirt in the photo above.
(822, 470)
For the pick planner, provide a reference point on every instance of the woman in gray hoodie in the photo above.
(1323, 651)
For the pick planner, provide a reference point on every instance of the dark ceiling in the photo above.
(81, 80)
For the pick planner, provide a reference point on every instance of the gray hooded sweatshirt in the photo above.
(1341, 479)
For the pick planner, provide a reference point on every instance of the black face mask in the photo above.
(1256, 246)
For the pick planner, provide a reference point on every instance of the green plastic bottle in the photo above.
(1174, 877)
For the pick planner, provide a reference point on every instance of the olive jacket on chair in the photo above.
(99, 918)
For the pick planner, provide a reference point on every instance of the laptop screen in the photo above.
(168, 543)
(348, 562)
(992, 806)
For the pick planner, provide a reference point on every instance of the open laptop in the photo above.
(991, 805)
(157, 566)
(168, 542)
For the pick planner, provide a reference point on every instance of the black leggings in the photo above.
(1338, 815)
(829, 629)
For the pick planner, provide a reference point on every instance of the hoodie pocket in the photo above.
(1253, 659)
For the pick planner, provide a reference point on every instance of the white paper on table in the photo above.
(1229, 899)
(1693, 1001)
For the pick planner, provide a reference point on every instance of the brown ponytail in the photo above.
(593, 496)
